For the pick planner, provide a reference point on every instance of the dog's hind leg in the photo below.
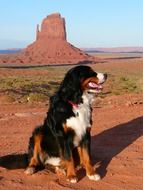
(34, 154)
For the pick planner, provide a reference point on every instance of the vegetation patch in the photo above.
(33, 88)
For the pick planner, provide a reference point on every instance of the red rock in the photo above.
(52, 27)
(51, 46)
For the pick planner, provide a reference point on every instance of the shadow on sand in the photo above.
(14, 161)
(105, 146)
(38, 66)
(109, 143)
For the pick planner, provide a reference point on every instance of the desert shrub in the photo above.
(36, 97)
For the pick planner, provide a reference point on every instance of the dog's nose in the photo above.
(105, 76)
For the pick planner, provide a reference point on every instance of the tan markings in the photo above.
(66, 128)
(84, 84)
(69, 164)
(33, 162)
(37, 150)
(79, 149)
(85, 160)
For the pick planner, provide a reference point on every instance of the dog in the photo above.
(67, 125)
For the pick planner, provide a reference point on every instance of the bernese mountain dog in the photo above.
(67, 125)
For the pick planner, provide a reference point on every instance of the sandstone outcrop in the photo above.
(51, 46)
(52, 28)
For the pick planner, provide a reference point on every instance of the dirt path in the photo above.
(116, 149)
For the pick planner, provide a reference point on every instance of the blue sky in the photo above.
(89, 23)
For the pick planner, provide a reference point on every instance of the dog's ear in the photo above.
(70, 88)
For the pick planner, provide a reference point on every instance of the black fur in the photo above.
(55, 142)
(60, 110)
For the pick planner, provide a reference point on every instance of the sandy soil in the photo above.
(116, 149)
(116, 139)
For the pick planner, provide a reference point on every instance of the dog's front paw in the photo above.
(72, 179)
(60, 171)
(30, 171)
(94, 177)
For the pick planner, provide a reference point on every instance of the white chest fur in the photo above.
(82, 118)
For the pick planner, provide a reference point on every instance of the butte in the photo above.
(51, 46)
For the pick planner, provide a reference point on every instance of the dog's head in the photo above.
(81, 79)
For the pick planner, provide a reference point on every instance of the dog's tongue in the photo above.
(94, 85)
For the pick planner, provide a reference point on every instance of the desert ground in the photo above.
(116, 132)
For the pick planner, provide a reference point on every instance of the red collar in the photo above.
(75, 106)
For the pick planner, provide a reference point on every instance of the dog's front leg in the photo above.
(68, 161)
(85, 158)
(71, 175)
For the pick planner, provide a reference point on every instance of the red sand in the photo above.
(116, 141)
(116, 149)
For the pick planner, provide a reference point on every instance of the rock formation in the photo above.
(52, 28)
(51, 46)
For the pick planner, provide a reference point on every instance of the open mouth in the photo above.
(95, 87)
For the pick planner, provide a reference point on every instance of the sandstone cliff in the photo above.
(51, 46)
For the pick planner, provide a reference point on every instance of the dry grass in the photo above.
(124, 76)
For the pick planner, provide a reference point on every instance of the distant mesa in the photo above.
(50, 46)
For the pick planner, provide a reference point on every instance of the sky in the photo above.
(89, 23)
